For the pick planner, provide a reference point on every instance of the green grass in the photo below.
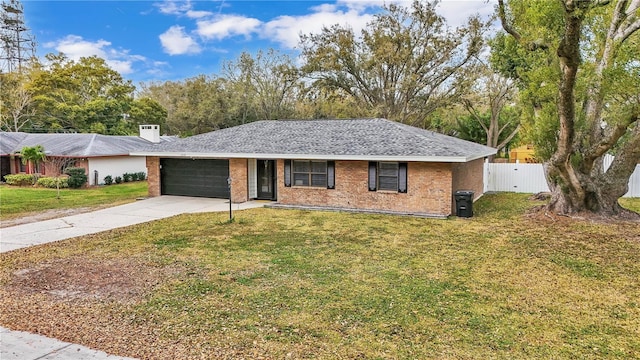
(327, 285)
(21, 201)
(631, 203)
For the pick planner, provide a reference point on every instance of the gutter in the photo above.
(192, 155)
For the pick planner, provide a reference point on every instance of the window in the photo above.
(312, 173)
(388, 176)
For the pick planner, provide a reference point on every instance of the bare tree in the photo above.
(15, 103)
(491, 93)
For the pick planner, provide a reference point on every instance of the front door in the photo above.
(266, 179)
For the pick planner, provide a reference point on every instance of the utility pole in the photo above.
(17, 45)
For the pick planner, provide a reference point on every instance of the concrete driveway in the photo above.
(26, 346)
(25, 235)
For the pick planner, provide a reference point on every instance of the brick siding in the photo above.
(430, 186)
(468, 176)
(238, 171)
(429, 190)
(153, 175)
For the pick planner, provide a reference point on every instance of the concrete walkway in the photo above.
(25, 235)
(25, 346)
(20, 345)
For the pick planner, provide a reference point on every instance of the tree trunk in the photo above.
(575, 173)
(599, 195)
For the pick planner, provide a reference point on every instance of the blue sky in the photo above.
(173, 40)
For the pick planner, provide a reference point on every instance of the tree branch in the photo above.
(503, 21)
(611, 139)
(531, 46)
(472, 110)
(509, 138)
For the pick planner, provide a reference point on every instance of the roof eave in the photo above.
(412, 158)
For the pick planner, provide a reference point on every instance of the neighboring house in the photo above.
(99, 155)
(367, 165)
(523, 154)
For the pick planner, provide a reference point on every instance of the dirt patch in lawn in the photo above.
(89, 279)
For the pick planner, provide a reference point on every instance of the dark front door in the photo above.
(266, 179)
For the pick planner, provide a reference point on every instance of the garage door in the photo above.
(185, 177)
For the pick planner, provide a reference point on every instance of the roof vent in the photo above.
(150, 133)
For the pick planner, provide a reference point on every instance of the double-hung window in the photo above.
(311, 173)
(388, 176)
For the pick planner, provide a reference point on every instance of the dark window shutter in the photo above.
(287, 173)
(402, 177)
(373, 175)
(331, 174)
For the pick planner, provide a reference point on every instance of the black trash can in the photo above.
(464, 203)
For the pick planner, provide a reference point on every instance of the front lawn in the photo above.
(22, 201)
(324, 285)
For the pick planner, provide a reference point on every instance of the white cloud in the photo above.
(181, 8)
(456, 12)
(197, 14)
(75, 47)
(224, 26)
(171, 7)
(287, 29)
(365, 4)
(176, 42)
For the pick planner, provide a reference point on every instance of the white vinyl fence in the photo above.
(529, 178)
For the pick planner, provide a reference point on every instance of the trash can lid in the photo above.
(464, 192)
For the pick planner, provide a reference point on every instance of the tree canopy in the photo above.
(406, 63)
(61, 94)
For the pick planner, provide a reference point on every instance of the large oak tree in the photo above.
(583, 60)
(404, 65)
(262, 86)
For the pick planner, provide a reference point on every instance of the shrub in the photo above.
(51, 183)
(126, 177)
(108, 180)
(134, 176)
(142, 176)
(77, 177)
(20, 179)
(118, 179)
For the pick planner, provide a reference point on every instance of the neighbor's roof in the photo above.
(363, 139)
(74, 145)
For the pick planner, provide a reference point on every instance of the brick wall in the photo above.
(429, 190)
(468, 176)
(51, 168)
(153, 175)
(238, 171)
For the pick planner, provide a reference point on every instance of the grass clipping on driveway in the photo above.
(297, 284)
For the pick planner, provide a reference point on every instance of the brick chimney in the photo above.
(150, 133)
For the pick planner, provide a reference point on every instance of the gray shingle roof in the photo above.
(375, 139)
(73, 145)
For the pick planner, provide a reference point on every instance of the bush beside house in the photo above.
(77, 177)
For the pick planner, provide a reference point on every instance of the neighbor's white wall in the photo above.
(115, 166)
